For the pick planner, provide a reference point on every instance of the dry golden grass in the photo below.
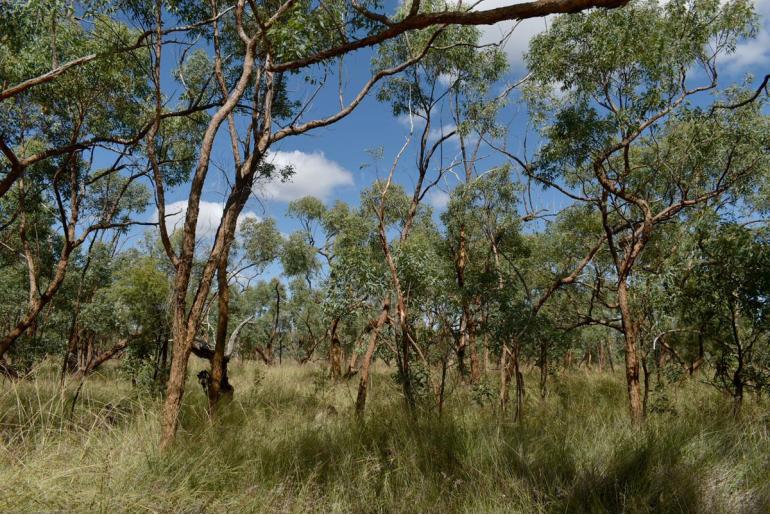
(279, 447)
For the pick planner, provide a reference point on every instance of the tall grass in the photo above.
(289, 441)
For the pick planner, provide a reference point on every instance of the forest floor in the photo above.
(279, 446)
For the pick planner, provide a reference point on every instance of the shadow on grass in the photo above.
(290, 442)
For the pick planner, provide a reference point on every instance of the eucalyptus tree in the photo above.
(721, 299)
(628, 134)
(261, 47)
(71, 142)
(444, 87)
(427, 278)
(95, 272)
(269, 324)
(267, 41)
(585, 305)
(356, 282)
(84, 204)
(334, 253)
(662, 291)
(305, 310)
(41, 243)
(483, 230)
(261, 243)
(308, 253)
(257, 45)
(518, 274)
(128, 312)
(354, 279)
(474, 115)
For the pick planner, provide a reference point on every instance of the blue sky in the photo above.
(328, 161)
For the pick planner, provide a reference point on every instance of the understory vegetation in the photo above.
(289, 441)
(545, 288)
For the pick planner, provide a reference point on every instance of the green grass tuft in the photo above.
(289, 441)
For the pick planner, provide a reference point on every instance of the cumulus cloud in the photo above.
(518, 42)
(314, 174)
(417, 120)
(749, 53)
(209, 216)
(756, 51)
(438, 199)
(446, 79)
(438, 132)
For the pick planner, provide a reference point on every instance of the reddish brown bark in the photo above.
(635, 403)
(223, 314)
(90, 362)
(363, 383)
(335, 351)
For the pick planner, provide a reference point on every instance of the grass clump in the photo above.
(289, 441)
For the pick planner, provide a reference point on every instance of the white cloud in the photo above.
(558, 91)
(209, 217)
(518, 42)
(416, 120)
(437, 132)
(749, 53)
(314, 175)
(754, 51)
(438, 199)
(447, 79)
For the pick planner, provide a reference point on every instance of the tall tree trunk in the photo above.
(335, 351)
(485, 356)
(505, 377)
(406, 377)
(646, 373)
(180, 355)
(185, 324)
(223, 315)
(737, 392)
(474, 352)
(516, 366)
(738, 379)
(602, 357)
(351, 368)
(70, 355)
(363, 383)
(461, 261)
(442, 386)
(636, 407)
(543, 362)
(85, 354)
(462, 368)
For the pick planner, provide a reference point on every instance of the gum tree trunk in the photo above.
(335, 351)
(635, 403)
(367, 361)
(217, 360)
